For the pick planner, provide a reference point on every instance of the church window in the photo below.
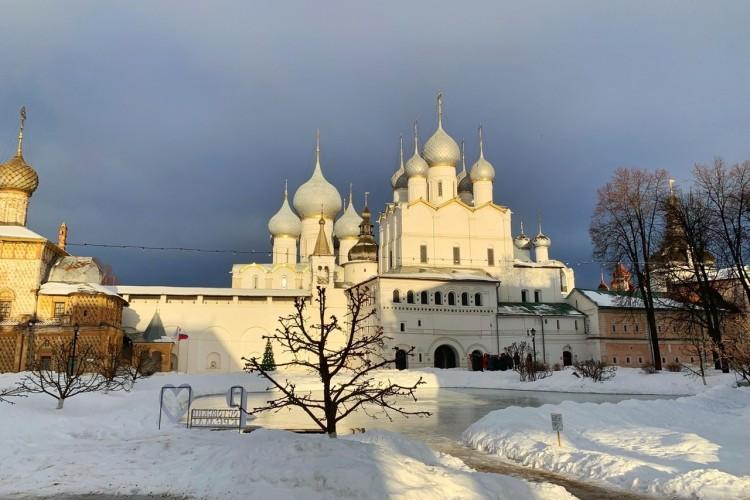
(283, 282)
(537, 296)
(423, 298)
(396, 296)
(614, 328)
(614, 360)
(419, 322)
(456, 255)
(409, 297)
(420, 357)
(46, 362)
(451, 299)
(575, 324)
(255, 281)
(464, 299)
(636, 328)
(524, 295)
(423, 254)
(402, 326)
(640, 359)
(438, 298)
(490, 256)
(563, 281)
(59, 310)
(627, 360)
(440, 188)
(390, 259)
(625, 328)
(4, 309)
(477, 299)
(558, 324)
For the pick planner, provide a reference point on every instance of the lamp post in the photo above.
(30, 348)
(72, 358)
(532, 333)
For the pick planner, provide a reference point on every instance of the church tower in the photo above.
(482, 176)
(442, 155)
(18, 181)
(416, 172)
(285, 228)
(315, 199)
(322, 260)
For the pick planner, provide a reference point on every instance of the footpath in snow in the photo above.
(109, 443)
(690, 447)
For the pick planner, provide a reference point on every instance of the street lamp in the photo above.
(532, 333)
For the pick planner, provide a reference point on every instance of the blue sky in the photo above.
(176, 123)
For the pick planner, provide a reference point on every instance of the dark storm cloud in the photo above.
(175, 123)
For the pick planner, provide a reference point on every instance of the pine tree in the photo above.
(268, 364)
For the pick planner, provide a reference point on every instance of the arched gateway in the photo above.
(445, 357)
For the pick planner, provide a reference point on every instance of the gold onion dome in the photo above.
(285, 222)
(348, 224)
(399, 179)
(441, 149)
(15, 173)
(482, 170)
(317, 194)
(464, 181)
(365, 248)
(416, 166)
(522, 241)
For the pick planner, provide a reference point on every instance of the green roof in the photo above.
(537, 309)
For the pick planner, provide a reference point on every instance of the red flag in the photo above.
(181, 335)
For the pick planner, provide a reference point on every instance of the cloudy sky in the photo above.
(176, 123)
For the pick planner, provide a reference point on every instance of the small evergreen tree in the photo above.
(268, 364)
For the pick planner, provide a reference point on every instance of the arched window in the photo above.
(477, 299)
(451, 299)
(396, 297)
(423, 298)
(409, 297)
(524, 295)
(464, 299)
(438, 298)
(440, 188)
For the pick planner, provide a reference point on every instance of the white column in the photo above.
(284, 250)
(442, 182)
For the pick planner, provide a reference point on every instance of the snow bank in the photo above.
(694, 447)
(109, 443)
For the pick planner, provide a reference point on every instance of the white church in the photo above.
(449, 276)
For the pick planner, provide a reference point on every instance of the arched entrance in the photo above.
(567, 358)
(445, 357)
(401, 361)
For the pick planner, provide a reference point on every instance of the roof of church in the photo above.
(321, 244)
(59, 288)
(438, 273)
(537, 309)
(19, 232)
(626, 300)
(155, 329)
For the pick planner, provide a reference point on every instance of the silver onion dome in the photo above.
(317, 196)
(285, 222)
(416, 166)
(482, 170)
(440, 149)
(348, 224)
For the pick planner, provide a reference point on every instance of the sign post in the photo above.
(557, 425)
(233, 394)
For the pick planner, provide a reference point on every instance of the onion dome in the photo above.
(348, 224)
(621, 272)
(366, 248)
(285, 222)
(602, 284)
(464, 181)
(317, 194)
(416, 166)
(522, 241)
(541, 239)
(441, 149)
(482, 170)
(399, 179)
(15, 173)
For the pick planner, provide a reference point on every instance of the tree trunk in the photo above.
(60, 403)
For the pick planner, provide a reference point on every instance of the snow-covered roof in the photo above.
(537, 309)
(195, 291)
(19, 232)
(439, 274)
(60, 288)
(71, 269)
(621, 300)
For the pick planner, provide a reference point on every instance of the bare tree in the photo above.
(11, 392)
(524, 362)
(344, 355)
(737, 348)
(112, 366)
(138, 366)
(726, 190)
(70, 371)
(627, 225)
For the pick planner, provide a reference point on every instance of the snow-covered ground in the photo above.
(691, 447)
(109, 443)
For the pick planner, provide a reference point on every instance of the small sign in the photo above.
(216, 418)
(557, 423)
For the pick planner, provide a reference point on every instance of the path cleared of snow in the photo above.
(690, 447)
(109, 444)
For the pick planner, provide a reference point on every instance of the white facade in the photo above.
(449, 278)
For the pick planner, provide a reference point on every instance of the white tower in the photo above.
(482, 175)
(285, 227)
(416, 171)
(346, 229)
(315, 198)
(541, 244)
